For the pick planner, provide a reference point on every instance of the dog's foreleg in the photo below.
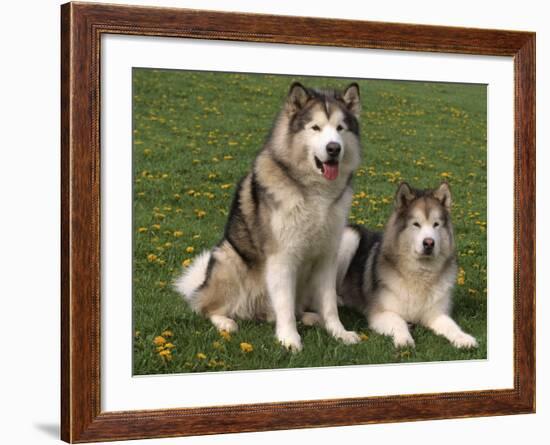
(281, 287)
(324, 283)
(445, 326)
(391, 324)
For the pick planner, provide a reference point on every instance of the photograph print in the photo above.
(285, 221)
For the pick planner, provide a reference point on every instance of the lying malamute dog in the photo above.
(277, 258)
(407, 273)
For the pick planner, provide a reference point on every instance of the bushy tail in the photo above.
(191, 279)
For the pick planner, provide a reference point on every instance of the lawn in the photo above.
(196, 134)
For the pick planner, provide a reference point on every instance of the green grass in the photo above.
(195, 135)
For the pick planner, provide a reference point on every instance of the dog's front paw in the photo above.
(291, 341)
(403, 340)
(464, 341)
(348, 337)
(224, 323)
(228, 325)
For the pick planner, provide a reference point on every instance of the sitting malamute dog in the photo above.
(407, 273)
(278, 254)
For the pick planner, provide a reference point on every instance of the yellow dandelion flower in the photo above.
(167, 333)
(196, 161)
(165, 175)
(147, 151)
(142, 229)
(159, 340)
(472, 291)
(217, 345)
(186, 263)
(166, 354)
(162, 283)
(156, 226)
(178, 233)
(232, 143)
(177, 196)
(137, 334)
(201, 356)
(212, 175)
(215, 159)
(445, 174)
(140, 194)
(151, 257)
(169, 346)
(363, 336)
(190, 249)
(168, 245)
(246, 347)
(227, 158)
(160, 348)
(191, 192)
(225, 335)
(461, 277)
(200, 213)
(225, 186)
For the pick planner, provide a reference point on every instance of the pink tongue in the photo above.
(330, 171)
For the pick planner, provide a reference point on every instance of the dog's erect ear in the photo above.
(404, 196)
(297, 96)
(443, 195)
(352, 98)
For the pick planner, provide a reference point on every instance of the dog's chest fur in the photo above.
(308, 227)
(415, 295)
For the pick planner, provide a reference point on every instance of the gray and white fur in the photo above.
(407, 273)
(277, 258)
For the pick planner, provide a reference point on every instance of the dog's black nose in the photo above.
(428, 244)
(333, 149)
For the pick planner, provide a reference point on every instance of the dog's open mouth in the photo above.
(329, 169)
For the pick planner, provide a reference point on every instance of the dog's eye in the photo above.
(316, 128)
(339, 128)
(416, 224)
(436, 224)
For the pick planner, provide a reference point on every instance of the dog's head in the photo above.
(421, 222)
(322, 129)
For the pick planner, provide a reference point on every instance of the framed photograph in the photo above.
(275, 222)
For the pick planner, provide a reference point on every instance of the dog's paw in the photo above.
(403, 340)
(464, 341)
(291, 341)
(223, 323)
(348, 337)
(311, 319)
(228, 326)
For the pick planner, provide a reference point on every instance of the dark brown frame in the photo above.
(81, 28)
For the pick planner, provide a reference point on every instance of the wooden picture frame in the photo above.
(82, 26)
